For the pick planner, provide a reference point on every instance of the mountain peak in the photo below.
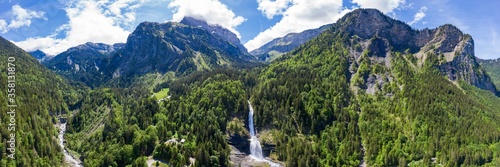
(39, 55)
(193, 21)
(98, 47)
(385, 35)
(218, 30)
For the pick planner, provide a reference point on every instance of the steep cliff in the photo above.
(217, 30)
(381, 36)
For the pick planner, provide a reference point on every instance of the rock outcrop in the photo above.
(382, 36)
(218, 30)
(84, 63)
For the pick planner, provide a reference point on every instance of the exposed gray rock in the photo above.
(162, 47)
(465, 66)
(218, 30)
(382, 35)
(83, 62)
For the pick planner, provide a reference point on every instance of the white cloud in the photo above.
(419, 15)
(211, 11)
(3, 26)
(302, 15)
(271, 8)
(123, 10)
(32, 44)
(89, 21)
(21, 18)
(385, 6)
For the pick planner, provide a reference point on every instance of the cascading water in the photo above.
(255, 148)
(68, 158)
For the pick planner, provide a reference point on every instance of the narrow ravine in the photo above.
(69, 159)
(255, 147)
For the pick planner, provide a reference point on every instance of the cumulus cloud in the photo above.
(3, 26)
(419, 15)
(271, 8)
(211, 11)
(300, 16)
(124, 10)
(385, 6)
(32, 44)
(89, 21)
(21, 18)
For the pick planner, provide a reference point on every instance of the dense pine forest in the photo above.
(40, 95)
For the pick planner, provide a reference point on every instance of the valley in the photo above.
(367, 90)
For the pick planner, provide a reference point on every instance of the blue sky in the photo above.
(53, 26)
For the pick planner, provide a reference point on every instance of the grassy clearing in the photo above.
(161, 94)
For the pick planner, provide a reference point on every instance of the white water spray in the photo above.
(255, 148)
(67, 157)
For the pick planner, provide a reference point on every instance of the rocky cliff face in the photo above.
(216, 30)
(152, 48)
(84, 62)
(464, 66)
(174, 47)
(370, 30)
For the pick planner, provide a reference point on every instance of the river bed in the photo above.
(68, 158)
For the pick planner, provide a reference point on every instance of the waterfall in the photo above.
(255, 148)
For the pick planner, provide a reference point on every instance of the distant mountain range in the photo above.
(153, 48)
(282, 45)
(40, 55)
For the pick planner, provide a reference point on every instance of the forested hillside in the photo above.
(123, 127)
(417, 117)
(40, 95)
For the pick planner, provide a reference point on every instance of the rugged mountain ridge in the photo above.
(174, 47)
(381, 36)
(218, 30)
(153, 48)
(84, 62)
